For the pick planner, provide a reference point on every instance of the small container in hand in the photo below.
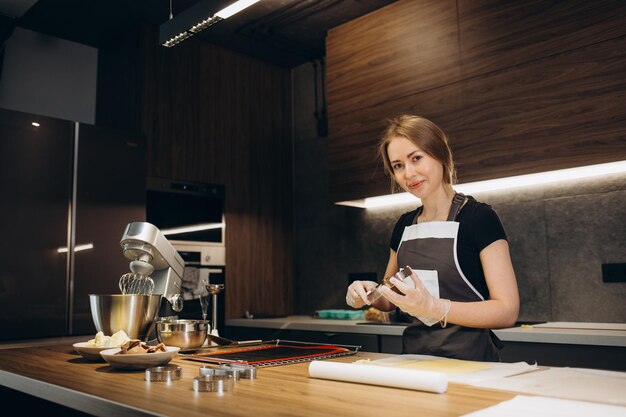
(403, 275)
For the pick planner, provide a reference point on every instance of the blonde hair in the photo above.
(424, 134)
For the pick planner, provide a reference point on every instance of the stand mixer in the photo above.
(156, 267)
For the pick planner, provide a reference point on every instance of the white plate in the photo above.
(89, 352)
(138, 360)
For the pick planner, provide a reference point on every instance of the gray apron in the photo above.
(430, 250)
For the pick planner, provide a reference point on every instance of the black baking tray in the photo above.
(274, 353)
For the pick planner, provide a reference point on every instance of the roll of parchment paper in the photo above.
(380, 375)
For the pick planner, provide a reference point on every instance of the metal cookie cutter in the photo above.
(402, 275)
(213, 383)
(245, 371)
(213, 371)
(166, 373)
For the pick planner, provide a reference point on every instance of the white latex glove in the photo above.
(356, 296)
(417, 301)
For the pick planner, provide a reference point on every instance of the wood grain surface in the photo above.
(401, 49)
(216, 116)
(278, 391)
(520, 87)
(561, 112)
(497, 34)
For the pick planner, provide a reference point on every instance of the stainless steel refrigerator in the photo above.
(67, 191)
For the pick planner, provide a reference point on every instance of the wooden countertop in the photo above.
(576, 333)
(57, 373)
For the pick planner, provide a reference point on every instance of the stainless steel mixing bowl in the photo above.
(186, 334)
(133, 313)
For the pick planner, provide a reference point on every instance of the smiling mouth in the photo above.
(415, 185)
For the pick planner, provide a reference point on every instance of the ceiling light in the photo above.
(499, 184)
(35, 124)
(195, 19)
(204, 24)
(177, 39)
(236, 7)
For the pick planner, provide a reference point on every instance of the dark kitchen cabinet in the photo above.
(511, 105)
(62, 185)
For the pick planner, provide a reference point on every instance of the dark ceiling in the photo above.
(284, 32)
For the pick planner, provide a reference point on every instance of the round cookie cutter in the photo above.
(165, 373)
(245, 371)
(222, 371)
(213, 383)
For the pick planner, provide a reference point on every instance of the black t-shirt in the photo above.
(479, 226)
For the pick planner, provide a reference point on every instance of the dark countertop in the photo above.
(577, 333)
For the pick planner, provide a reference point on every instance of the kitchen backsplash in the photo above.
(559, 235)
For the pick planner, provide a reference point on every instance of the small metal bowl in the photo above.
(186, 334)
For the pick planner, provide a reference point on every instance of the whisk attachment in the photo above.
(138, 281)
(132, 283)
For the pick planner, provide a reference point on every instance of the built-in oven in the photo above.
(203, 264)
(191, 216)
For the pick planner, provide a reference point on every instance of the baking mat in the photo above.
(275, 352)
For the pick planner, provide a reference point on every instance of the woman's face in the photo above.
(413, 169)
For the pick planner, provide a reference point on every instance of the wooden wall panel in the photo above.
(496, 34)
(563, 111)
(541, 88)
(356, 170)
(398, 50)
(216, 116)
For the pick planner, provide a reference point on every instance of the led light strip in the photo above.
(226, 12)
(192, 228)
(499, 184)
(236, 7)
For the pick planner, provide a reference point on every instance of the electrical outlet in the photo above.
(614, 272)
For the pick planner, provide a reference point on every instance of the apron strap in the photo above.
(418, 212)
(457, 203)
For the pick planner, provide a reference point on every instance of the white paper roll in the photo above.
(380, 375)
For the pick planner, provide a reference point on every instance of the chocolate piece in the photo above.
(135, 346)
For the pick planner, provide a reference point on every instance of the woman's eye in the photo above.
(417, 157)
(396, 166)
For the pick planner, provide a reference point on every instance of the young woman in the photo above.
(463, 283)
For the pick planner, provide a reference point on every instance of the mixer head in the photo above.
(141, 266)
(155, 265)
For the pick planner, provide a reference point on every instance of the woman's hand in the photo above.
(417, 301)
(356, 296)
